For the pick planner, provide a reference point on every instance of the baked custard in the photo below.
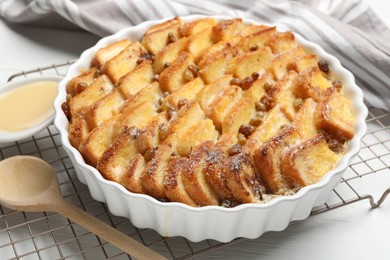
(209, 113)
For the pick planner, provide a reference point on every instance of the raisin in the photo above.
(254, 47)
(194, 69)
(256, 121)
(236, 81)
(246, 83)
(260, 106)
(246, 130)
(150, 154)
(255, 76)
(323, 65)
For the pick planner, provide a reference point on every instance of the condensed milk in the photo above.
(27, 106)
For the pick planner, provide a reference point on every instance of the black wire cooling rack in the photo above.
(51, 236)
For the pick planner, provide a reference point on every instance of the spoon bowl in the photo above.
(30, 184)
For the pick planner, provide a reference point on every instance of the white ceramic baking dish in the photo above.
(211, 222)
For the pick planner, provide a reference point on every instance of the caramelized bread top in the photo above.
(209, 113)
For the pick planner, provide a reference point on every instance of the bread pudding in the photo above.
(209, 113)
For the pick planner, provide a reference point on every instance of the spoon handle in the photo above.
(106, 232)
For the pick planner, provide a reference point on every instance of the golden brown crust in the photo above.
(194, 179)
(242, 180)
(307, 162)
(124, 62)
(153, 176)
(172, 78)
(334, 115)
(81, 82)
(159, 35)
(173, 183)
(214, 169)
(106, 53)
(267, 159)
(132, 177)
(97, 90)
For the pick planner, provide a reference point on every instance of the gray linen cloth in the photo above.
(348, 29)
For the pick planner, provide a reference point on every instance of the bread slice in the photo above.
(101, 137)
(271, 125)
(173, 182)
(99, 88)
(81, 82)
(334, 115)
(304, 120)
(245, 64)
(197, 26)
(308, 162)
(150, 93)
(124, 62)
(282, 41)
(282, 94)
(197, 134)
(158, 36)
(129, 85)
(222, 103)
(108, 52)
(194, 179)
(242, 180)
(172, 78)
(168, 54)
(256, 37)
(251, 29)
(104, 108)
(213, 65)
(188, 116)
(312, 83)
(132, 177)
(214, 169)
(226, 30)
(206, 95)
(199, 42)
(78, 130)
(239, 113)
(149, 137)
(187, 92)
(267, 159)
(152, 177)
(280, 65)
(137, 79)
(303, 63)
(114, 162)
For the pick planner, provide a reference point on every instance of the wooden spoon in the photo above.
(30, 184)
